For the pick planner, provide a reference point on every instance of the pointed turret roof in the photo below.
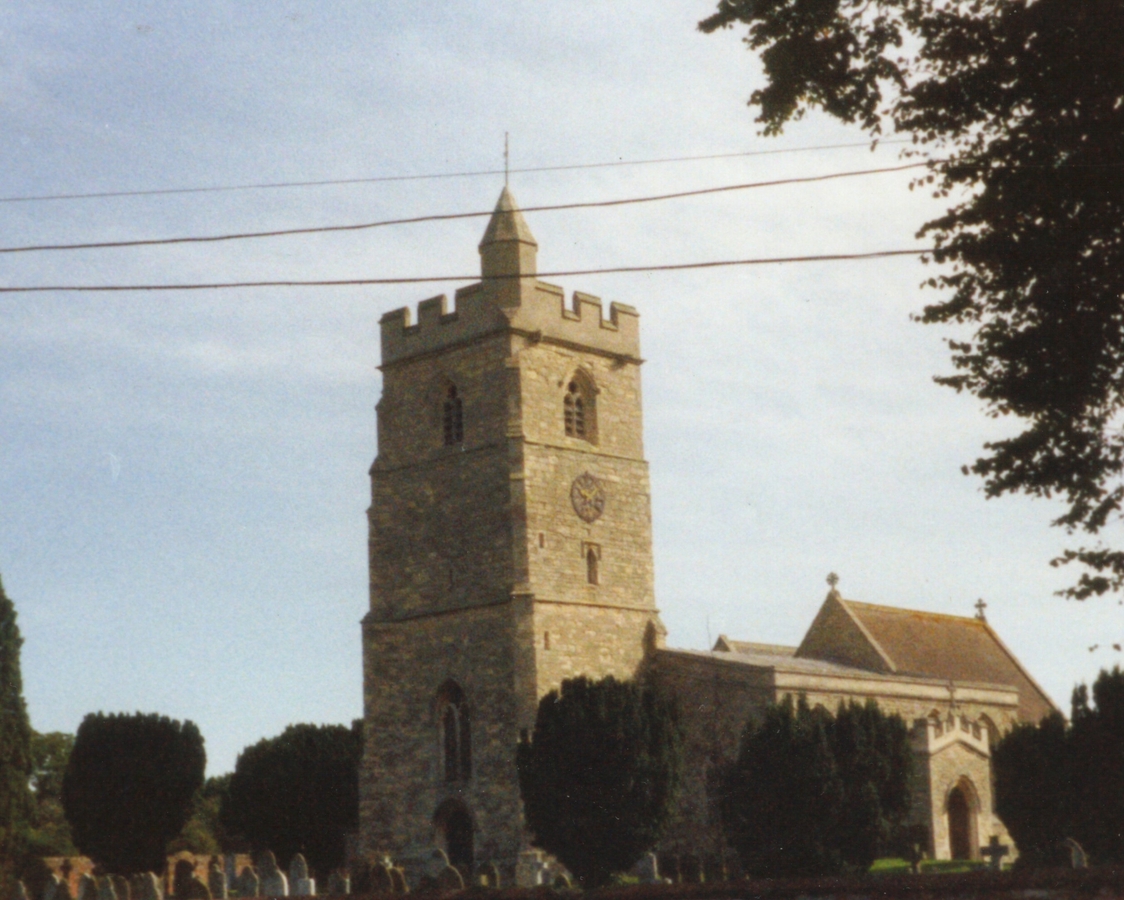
(507, 223)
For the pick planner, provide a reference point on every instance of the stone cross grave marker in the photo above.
(300, 885)
(994, 851)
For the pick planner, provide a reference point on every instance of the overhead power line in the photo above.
(430, 279)
(445, 217)
(273, 185)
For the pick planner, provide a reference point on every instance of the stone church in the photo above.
(511, 547)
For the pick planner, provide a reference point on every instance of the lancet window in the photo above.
(453, 417)
(455, 733)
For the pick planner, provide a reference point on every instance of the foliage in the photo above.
(297, 793)
(50, 835)
(128, 787)
(1034, 789)
(1054, 782)
(810, 794)
(15, 741)
(599, 774)
(1019, 106)
(203, 832)
(874, 760)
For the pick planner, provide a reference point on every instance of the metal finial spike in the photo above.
(506, 160)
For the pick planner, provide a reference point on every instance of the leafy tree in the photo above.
(599, 774)
(298, 793)
(203, 832)
(50, 835)
(784, 797)
(1034, 789)
(128, 787)
(875, 764)
(1019, 105)
(15, 741)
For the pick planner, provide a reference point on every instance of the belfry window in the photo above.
(454, 417)
(455, 733)
(578, 412)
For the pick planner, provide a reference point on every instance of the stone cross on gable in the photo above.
(994, 851)
(980, 607)
(832, 580)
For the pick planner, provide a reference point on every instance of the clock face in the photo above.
(588, 497)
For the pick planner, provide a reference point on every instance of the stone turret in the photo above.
(508, 248)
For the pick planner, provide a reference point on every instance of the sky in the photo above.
(183, 475)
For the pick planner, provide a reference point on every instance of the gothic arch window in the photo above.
(579, 408)
(592, 563)
(454, 732)
(453, 417)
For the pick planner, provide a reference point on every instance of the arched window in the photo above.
(454, 417)
(593, 564)
(455, 733)
(579, 413)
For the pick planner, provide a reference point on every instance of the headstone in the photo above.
(691, 870)
(146, 886)
(561, 882)
(529, 869)
(195, 889)
(62, 890)
(379, 879)
(105, 890)
(51, 888)
(273, 880)
(121, 887)
(249, 885)
(20, 891)
(1077, 857)
(216, 880)
(435, 863)
(488, 875)
(398, 882)
(87, 887)
(449, 879)
(994, 851)
(338, 884)
(300, 885)
(181, 876)
(648, 869)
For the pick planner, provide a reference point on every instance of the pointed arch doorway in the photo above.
(454, 827)
(962, 821)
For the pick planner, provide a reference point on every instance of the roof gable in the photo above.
(837, 636)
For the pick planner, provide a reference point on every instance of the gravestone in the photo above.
(1077, 857)
(398, 882)
(20, 891)
(181, 876)
(146, 886)
(273, 880)
(195, 889)
(530, 869)
(105, 889)
(994, 851)
(648, 869)
(249, 885)
(62, 890)
(338, 884)
(300, 885)
(216, 880)
(691, 870)
(50, 889)
(436, 862)
(561, 882)
(87, 887)
(488, 875)
(669, 867)
(379, 879)
(121, 887)
(449, 879)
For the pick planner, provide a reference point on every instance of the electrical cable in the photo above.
(445, 217)
(358, 282)
(470, 174)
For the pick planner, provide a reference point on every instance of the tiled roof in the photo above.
(949, 647)
(731, 646)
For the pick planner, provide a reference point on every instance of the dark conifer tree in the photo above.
(599, 775)
(1097, 737)
(15, 740)
(128, 787)
(784, 797)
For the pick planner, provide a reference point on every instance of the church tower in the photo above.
(510, 544)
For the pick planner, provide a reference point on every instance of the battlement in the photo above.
(932, 735)
(484, 308)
